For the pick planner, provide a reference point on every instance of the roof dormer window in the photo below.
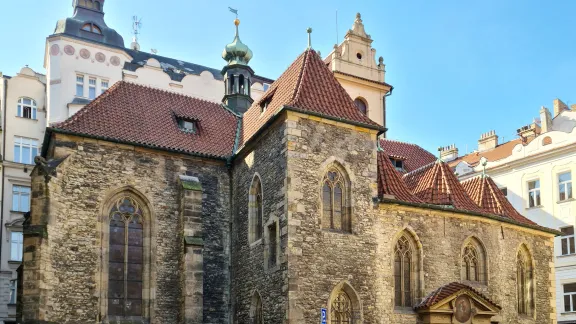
(92, 28)
(187, 125)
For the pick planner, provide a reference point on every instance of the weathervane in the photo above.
(234, 11)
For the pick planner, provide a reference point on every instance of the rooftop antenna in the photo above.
(136, 25)
(154, 51)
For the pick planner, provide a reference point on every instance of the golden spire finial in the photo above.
(236, 21)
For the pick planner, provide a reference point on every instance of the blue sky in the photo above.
(459, 68)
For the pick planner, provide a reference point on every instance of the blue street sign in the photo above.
(323, 316)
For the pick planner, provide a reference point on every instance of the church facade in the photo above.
(278, 209)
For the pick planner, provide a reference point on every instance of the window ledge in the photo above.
(333, 231)
(568, 313)
(14, 262)
(565, 201)
(255, 243)
(564, 256)
(26, 118)
(535, 207)
(17, 212)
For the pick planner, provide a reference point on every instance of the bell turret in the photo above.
(237, 74)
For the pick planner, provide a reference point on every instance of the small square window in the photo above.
(188, 126)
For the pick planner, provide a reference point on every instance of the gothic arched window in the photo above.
(361, 104)
(344, 305)
(335, 198)
(524, 282)
(403, 278)
(126, 255)
(256, 312)
(341, 309)
(474, 261)
(255, 210)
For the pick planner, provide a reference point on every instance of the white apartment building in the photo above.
(536, 172)
(83, 58)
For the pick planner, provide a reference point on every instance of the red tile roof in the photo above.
(141, 115)
(500, 152)
(447, 291)
(390, 181)
(415, 157)
(307, 86)
(485, 193)
(436, 184)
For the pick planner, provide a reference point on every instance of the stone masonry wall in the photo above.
(250, 270)
(72, 261)
(319, 260)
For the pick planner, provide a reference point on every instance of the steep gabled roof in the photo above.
(486, 194)
(447, 291)
(390, 181)
(307, 86)
(145, 116)
(436, 184)
(413, 155)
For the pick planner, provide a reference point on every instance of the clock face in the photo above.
(462, 309)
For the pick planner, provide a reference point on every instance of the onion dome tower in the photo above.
(237, 74)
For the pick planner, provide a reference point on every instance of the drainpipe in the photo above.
(3, 114)
(384, 106)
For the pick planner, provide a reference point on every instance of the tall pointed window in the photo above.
(341, 309)
(335, 201)
(474, 261)
(524, 282)
(255, 211)
(256, 312)
(125, 265)
(403, 259)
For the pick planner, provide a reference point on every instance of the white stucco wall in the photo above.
(64, 61)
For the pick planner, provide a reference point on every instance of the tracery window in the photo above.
(125, 264)
(255, 210)
(524, 282)
(474, 261)
(335, 191)
(341, 309)
(403, 277)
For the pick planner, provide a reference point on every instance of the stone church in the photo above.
(151, 206)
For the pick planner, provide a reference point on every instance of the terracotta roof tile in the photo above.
(307, 85)
(390, 181)
(448, 290)
(485, 193)
(500, 152)
(436, 184)
(141, 115)
(415, 157)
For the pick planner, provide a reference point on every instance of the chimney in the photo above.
(487, 141)
(545, 120)
(559, 107)
(529, 132)
(449, 153)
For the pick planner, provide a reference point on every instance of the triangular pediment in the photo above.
(458, 301)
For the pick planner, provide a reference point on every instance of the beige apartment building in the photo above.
(23, 102)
